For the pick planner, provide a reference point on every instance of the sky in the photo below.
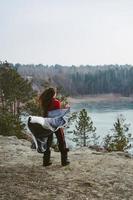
(66, 32)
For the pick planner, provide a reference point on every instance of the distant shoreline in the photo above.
(99, 97)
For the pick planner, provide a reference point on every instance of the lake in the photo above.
(104, 114)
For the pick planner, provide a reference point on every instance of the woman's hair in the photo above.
(45, 99)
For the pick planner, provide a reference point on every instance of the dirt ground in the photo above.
(90, 176)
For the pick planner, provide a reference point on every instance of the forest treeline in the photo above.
(81, 80)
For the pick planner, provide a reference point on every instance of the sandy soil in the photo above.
(91, 175)
(100, 97)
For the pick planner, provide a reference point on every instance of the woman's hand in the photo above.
(67, 106)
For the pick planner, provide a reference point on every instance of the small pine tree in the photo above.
(83, 127)
(107, 142)
(119, 141)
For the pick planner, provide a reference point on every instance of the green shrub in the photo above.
(10, 125)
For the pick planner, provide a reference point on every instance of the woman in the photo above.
(48, 103)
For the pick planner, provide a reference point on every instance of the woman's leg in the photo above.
(62, 146)
(61, 139)
(47, 153)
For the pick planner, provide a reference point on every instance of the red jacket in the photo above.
(56, 104)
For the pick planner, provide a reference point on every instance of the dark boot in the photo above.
(64, 158)
(46, 158)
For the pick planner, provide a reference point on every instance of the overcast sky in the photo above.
(66, 32)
